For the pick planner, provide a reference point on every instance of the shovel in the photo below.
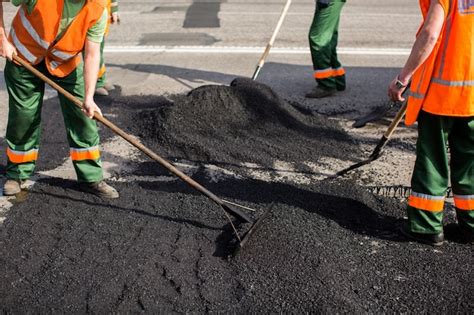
(225, 205)
(272, 40)
(380, 146)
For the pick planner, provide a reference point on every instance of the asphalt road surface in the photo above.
(329, 246)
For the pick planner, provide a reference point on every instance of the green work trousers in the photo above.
(323, 34)
(26, 93)
(101, 79)
(433, 168)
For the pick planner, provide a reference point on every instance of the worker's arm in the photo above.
(422, 48)
(91, 69)
(6, 48)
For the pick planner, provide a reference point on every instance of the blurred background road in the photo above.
(167, 47)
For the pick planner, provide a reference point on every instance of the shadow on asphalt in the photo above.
(349, 213)
(98, 202)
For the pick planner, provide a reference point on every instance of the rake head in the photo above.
(244, 240)
(237, 213)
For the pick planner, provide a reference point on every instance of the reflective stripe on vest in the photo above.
(18, 157)
(21, 48)
(426, 202)
(80, 154)
(30, 29)
(62, 55)
(329, 73)
(464, 202)
(453, 83)
(416, 95)
(54, 65)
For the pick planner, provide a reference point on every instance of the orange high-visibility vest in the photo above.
(34, 34)
(444, 84)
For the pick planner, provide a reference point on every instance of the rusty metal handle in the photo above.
(170, 167)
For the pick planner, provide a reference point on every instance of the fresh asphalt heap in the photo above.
(328, 246)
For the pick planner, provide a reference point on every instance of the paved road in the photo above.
(142, 49)
(172, 47)
(152, 246)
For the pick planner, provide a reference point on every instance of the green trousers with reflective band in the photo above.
(26, 93)
(323, 35)
(433, 168)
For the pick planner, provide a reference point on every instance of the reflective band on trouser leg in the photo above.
(426, 202)
(18, 157)
(85, 154)
(425, 213)
(465, 210)
(329, 73)
(464, 202)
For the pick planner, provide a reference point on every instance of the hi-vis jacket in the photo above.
(34, 34)
(444, 84)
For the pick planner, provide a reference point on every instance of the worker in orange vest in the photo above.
(51, 35)
(103, 87)
(440, 70)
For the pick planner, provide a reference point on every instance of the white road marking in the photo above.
(252, 50)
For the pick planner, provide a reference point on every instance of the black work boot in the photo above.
(101, 189)
(319, 92)
(12, 187)
(430, 239)
(467, 234)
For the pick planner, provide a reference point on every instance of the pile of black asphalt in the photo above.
(328, 246)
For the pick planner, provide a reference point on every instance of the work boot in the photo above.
(436, 239)
(101, 92)
(101, 189)
(319, 92)
(12, 187)
(109, 87)
(467, 234)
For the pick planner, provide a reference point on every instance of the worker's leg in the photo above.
(102, 70)
(322, 42)
(461, 142)
(25, 92)
(430, 176)
(82, 133)
(339, 72)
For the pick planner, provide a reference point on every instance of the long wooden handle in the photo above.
(129, 138)
(266, 52)
(396, 120)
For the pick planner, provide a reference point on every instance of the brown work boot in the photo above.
(11, 187)
(101, 92)
(319, 92)
(101, 189)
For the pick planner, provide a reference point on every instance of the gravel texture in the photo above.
(328, 246)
